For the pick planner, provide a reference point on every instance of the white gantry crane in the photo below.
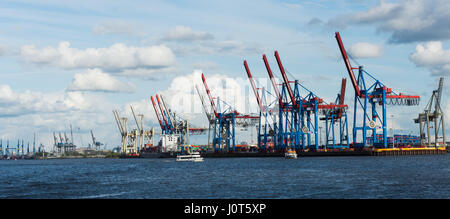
(128, 141)
(436, 116)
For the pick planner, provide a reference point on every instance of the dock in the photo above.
(409, 151)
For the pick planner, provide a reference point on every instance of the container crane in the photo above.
(298, 119)
(436, 116)
(224, 124)
(139, 128)
(169, 127)
(95, 143)
(266, 125)
(375, 93)
(128, 141)
(163, 128)
(209, 115)
(337, 116)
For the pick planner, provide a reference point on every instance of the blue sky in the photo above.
(72, 62)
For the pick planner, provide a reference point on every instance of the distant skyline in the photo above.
(73, 62)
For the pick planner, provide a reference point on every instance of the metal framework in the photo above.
(337, 117)
(436, 116)
(370, 93)
(95, 143)
(297, 123)
(267, 126)
(174, 124)
(128, 141)
(225, 123)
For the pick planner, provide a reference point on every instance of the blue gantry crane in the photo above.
(267, 125)
(337, 117)
(225, 122)
(298, 116)
(369, 94)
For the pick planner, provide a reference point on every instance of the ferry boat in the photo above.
(291, 154)
(194, 157)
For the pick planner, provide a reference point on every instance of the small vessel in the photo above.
(291, 154)
(194, 157)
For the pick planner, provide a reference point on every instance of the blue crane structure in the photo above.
(267, 125)
(298, 116)
(370, 93)
(225, 122)
(337, 117)
(173, 124)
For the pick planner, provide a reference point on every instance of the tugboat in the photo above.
(190, 155)
(291, 154)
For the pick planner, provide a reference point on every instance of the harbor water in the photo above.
(237, 178)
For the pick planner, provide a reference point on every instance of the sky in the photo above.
(72, 62)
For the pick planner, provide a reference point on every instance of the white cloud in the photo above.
(23, 113)
(14, 103)
(98, 81)
(236, 92)
(432, 56)
(365, 50)
(184, 33)
(292, 5)
(407, 21)
(113, 27)
(219, 47)
(115, 58)
(205, 65)
(145, 73)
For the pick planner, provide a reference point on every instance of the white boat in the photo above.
(291, 154)
(194, 157)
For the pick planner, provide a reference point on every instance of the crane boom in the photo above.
(286, 81)
(272, 79)
(135, 119)
(60, 137)
(253, 86)
(439, 91)
(342, 96)
(119, 124)
(117, 121)
(209, 95)
(157, 114)
(93, 139)
(347, 64)
(203, 104)
(169, 115)
(162, 112)
(56, 139)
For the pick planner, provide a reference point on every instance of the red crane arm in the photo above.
(347, 64)
(162, 111)
(209, 95)
(275, 87)
(157, 114)
(286, 81)
(342, 96)
(253, 86)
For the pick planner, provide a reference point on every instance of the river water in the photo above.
(236, 178)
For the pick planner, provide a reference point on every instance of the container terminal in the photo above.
(63, 147)
(291, 122)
